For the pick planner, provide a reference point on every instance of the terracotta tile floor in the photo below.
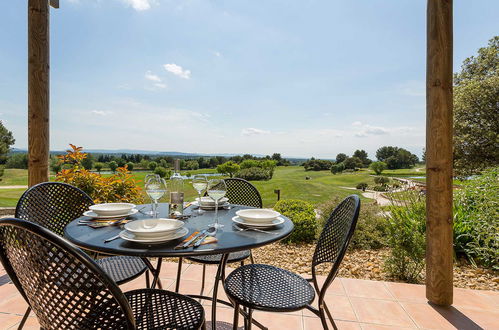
(355, 304)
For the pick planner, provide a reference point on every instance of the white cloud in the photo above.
(160, 85)
(151, 76)
(217, 53)
(177, 70)
(139, 5)
(100, 112)
(253, 131)
(356, 123)
(374, 130)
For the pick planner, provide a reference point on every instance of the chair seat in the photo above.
(269, 288)
(215, 258)
(122, 269)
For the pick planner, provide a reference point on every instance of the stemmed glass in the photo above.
(155, 188)
(216, 190)
(200, 183)
(146, 179)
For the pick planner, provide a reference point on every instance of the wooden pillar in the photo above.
(38, 91)
(439, 250)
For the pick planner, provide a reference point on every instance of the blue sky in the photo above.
(303, 78)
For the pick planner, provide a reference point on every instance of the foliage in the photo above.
(362, 186)
(381, 180)
(380, 188)
(191, 165)
(17, 160)
(337, 168)
(120, 187)
(121, 162)
(254, 174)
(396, 157)
(113, 166)
(353, 163)
(476, 112)
(476, 215)
(279, 160)
(98, 166)
(55, 165)
(378, 167)
(152, 165)
(229, 168)
(362, 155)
(340, 158)
(371, 229)
(162, 172)
(6, 140)
(317, 164)
(130, 166)
(303, 216)
(1, 173)
(88, 162)
(406, 238)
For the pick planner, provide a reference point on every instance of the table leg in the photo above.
(219, 277)
(155, 272)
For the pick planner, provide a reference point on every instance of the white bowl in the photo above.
(112, 208)
(149, 228)
(208, 201)
(258, 215)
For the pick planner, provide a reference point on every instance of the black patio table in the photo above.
(230, 239)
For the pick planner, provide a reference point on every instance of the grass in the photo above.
(290, 180)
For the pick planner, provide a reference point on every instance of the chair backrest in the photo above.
(63, 286)
(242, 192)
(52, 205)
(335, 238)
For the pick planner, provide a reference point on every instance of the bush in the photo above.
(254, 173)
(229, 168)
(353, 162)
(317, 165)
(378, 167)
(406, 238)
(162, 172)
(303, 216)
(337, 168)
(371, 229)
(152, 165)
(362, 186)
(380, 188)
(17, 161)
(476, 214)
(113, 166)
(130, 166)
(382, 180)
(1, 173)
(98, 166)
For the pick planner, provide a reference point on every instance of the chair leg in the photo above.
(242, 262)
(148, 281)
(251, 257)
(203, 327)
(179, 270)
(250, 318)
(236, 317)
(324, 319)
(25, 318)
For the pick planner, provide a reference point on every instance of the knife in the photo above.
(200, 240)
(186, 244)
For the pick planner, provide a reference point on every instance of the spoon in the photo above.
(210, 231)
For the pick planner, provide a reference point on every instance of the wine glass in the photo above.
(146, 179)
(200, 183)
(216, 190)
(155, 188)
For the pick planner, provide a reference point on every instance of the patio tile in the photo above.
(367, 326)
(407, 292)
(366, 288)
(336, 288)
(471, 299)
(435, 317)
(191, 287)
(9, 320)
(279, 320)
(225, 318)
(493, 295)
(31, 324)
(310, 323)
(339, 306)
(169, 269)
(195, 273)
(7, 291)
(14, 305)
(382, 312)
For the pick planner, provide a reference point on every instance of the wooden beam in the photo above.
(54, 3)
(439, 250)
(38, 91)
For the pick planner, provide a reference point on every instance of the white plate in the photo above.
(127, 236)
(92, 214)
(274, 222)
(208, 201)
(258, 215)
(210, 207)
(163, 227)
(109, 209)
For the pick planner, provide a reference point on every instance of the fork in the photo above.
(256, 229)
(111, 238)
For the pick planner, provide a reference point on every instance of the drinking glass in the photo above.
(216, 190)
(155, 188)
(200, 183)
(146, 179)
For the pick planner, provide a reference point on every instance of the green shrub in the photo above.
(130, 166)
(362, 186)
(337, 168)
(476, 214)
(317, 165)
(17, 161)
(1, 173)
(406, 238)
(113, 165)
(371, 229)
(254, 173)
(98, 166)
(380, 188)
(162, 172)
(381, 180)
(152, 165)
(303, 216)
(378, 167)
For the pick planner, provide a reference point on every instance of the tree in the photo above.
(98, 166)
(378, 167)
(476, 112)
(121, 162)
(340, 158)
(337, 168)
(130, 166)
(352, 163)
(381, 180)
(396, 157)
(362, 155)
(229, 168)
(152, 165)
(162, 172)
(6, 140)
(88, 162)
(55, 165)
(113, 165)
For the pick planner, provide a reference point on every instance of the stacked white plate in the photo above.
(152, 231)
(207, 203)
(110, 210)
(260, 218)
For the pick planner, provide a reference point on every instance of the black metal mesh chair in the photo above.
(269, 288)
(66, 289)
(239, 192)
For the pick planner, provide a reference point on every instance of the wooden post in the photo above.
(439, 250)
(38, 91)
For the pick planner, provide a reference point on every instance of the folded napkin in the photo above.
(206, 240)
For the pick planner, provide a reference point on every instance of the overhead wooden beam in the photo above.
(54, 3)
(439, 250)
(38, 91)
